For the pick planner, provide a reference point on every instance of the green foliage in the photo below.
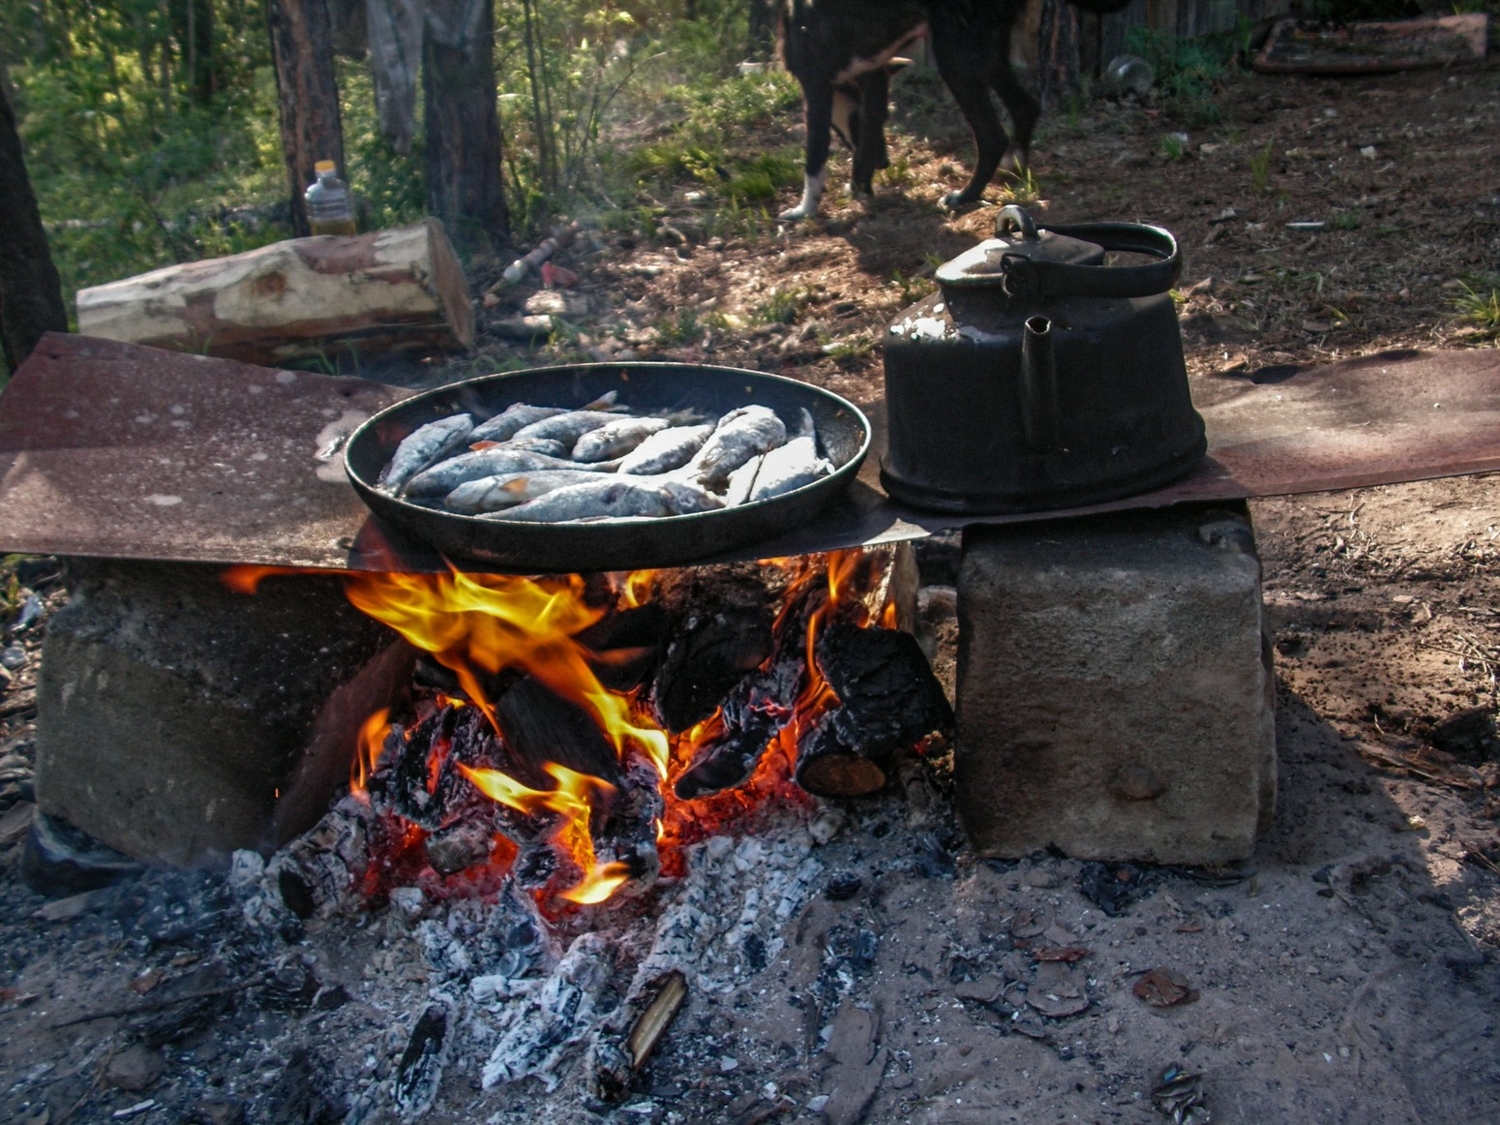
(389, 187)
(781, 306)
(1346, 220)
(1189, 72)
(1172, 146)
(1479, 308)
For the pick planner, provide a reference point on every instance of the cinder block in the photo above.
(1115, 695)
(178, 721)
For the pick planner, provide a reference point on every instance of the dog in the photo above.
(841, 52)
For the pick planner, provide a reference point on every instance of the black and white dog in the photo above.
(840, 51)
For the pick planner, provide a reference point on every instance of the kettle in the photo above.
(1039, 376)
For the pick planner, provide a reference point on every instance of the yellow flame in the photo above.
(371, 744)
(490, 622)
(598, 884)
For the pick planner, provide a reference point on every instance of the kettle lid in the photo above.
(1027, 261)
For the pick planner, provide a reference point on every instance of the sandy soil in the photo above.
(1348, 973)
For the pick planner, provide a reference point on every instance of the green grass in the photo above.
(1479, 308)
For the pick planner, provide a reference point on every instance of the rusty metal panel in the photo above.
(113, 450)
(120, 451)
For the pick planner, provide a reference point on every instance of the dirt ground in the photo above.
(1348, 973)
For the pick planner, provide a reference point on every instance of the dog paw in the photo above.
(955, 200)
(795, 214)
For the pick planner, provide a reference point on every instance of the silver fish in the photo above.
(617, 438)
(614, 498)
(506, 424)
(506, 490)
(740, 435)
(788, 467)
(742, 482)
(447, 475)
(666, 449)
(503, 426)
(534, 445)
(567, 428)
(423, 446)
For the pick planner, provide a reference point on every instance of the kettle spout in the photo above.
(1040, 422)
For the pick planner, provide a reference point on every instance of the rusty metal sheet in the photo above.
(119, 451)
(112, 450)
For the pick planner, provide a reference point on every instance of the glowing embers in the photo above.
(576, 734)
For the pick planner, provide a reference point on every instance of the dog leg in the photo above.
(1019, 103)
(869, 143)
(964, 51)
(818, 97)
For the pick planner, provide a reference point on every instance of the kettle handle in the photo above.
(1024, 278)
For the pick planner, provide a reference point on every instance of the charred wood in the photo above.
(753, 714)
(889, 700)
(420, 1071)
(540, 726)
(632, 1032)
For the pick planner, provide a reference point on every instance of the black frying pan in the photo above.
(843, 435)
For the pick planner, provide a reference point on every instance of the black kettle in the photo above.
(1039, 377)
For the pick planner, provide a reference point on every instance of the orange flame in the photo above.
(371, 744)
(489, 622)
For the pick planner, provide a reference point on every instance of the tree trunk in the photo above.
(390, 290)
(464, 187)
(301, 48)
(762, 37)
(1058, 43)
(31, 299)
(193, 27)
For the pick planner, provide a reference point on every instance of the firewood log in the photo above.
(391, 290)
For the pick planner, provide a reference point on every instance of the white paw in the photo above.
(793, 214)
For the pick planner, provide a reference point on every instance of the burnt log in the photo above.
(755, 712)
(540, 726)
(889, 700)
(394, 290)
(308, 94)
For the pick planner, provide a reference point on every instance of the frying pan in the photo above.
(843, 437)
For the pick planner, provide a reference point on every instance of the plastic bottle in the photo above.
(330, 210)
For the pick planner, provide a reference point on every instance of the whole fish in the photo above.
(742, 482)
(505, 425)
(567, 428)
(447, 475)
(740, 435)
(614, 497)
(534, 445)
(506, 490)
(666, 450)
(616, 438)
(788, 467)
(791, 465)
(423, 446)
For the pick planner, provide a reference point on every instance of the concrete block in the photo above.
(178, 720)
(1115, 695)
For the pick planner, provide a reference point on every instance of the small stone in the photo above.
(218, 1111)
(728, 1063)
(136, 1068)
(827, 824)
(13, 657)
(986, 990)
(815, 1105)
(1041, 878)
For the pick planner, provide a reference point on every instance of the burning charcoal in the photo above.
(535, 1034)
(418, 778)
(460, 846)
(707, 659)
(627, 645)
(540, 726)
(752, 715)
(889, 698)
(516, 942)
(420, 1071)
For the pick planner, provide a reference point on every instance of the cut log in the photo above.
(393, 290)
(890, 699)
(541, 726)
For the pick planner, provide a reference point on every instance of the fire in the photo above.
(484, 628)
